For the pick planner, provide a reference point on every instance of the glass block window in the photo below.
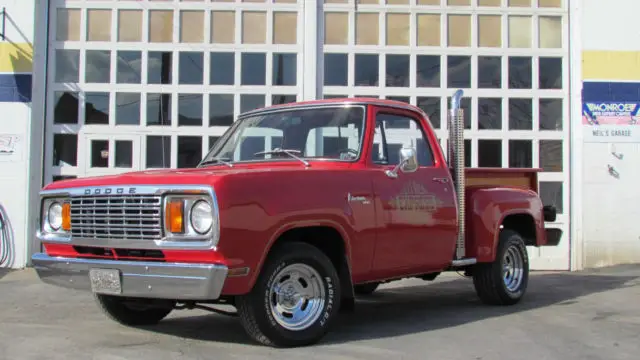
(152, 82)
(509, 56)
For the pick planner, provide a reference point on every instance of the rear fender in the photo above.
(487, 208)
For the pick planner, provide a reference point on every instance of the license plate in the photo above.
(105, 281)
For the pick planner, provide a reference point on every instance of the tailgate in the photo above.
(519, 178)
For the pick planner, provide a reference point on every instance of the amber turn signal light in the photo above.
(174, 216)
(66, 216)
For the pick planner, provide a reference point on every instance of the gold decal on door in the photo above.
(415, 197)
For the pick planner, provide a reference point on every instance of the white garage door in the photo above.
(151, 84)
(510, 57)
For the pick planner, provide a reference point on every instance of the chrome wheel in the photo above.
(297, 297)
(504, 281)
(512, 269)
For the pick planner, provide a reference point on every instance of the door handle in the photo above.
(442, 180)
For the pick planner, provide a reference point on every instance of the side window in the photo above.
(394, 131)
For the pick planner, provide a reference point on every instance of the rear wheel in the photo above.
(504, 281)
(295, 299)
(133, 312)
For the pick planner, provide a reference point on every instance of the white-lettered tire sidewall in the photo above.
(514, 240)
(265, 319)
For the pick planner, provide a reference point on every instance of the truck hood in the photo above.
(200, 176)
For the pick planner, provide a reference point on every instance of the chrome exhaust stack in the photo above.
(457, 165)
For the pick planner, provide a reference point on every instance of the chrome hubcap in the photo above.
(297, 297)
(512, 270)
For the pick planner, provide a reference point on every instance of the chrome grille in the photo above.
(126, 217)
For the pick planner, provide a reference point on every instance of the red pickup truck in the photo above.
(294, 212)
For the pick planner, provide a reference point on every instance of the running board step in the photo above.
(464, 262)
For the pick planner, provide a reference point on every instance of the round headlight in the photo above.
(201, 217)
(55, 216)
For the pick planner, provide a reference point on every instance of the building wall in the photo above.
(16, 57)
(611, 136)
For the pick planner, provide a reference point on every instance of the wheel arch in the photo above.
(520, 221)
(329, 237)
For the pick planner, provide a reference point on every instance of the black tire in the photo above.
(123, 310)
(366, 289)
(254, 308)
(488, 278)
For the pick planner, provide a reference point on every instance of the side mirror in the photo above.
(408, 162)
(408, 159)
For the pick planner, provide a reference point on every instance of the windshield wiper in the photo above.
(284, 151)
(216, 160)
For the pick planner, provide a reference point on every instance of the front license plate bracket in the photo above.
(105, 281)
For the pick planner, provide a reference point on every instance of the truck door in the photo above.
(415, 212)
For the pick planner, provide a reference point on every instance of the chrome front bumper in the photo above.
(175, 281)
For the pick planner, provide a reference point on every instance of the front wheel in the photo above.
(504, 281)
(295, 299)
(133, 312)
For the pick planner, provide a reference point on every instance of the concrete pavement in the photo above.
(584, 315)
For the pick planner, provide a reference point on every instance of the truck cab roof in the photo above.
(337, 101)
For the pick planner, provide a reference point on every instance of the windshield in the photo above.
(314, 133)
